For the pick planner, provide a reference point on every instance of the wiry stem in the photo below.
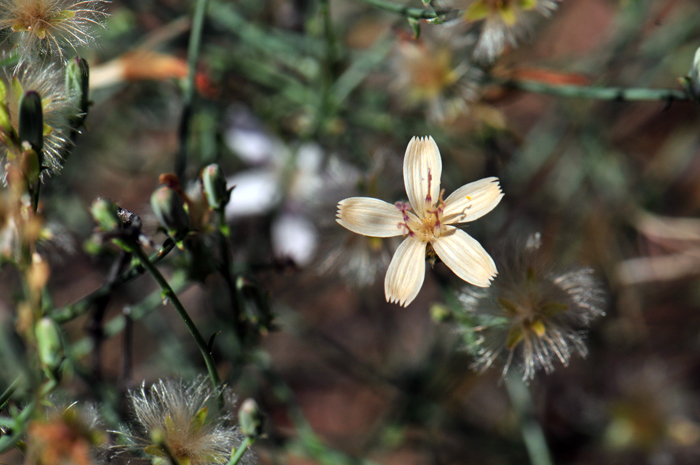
(533, 436)
(598, 93)
(70, 312)
(416, 13)
(242, 449)
(188, 93)
(169, 294)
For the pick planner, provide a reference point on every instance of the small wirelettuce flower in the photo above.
(427, 223)
(499, 23)
(46, 28)
(180, 420)
(533, 314)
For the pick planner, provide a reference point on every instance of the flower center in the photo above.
(426, 228)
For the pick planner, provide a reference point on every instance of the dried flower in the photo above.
(431, 74)
(57, 106)
(181, 419)
(429, 227)
(500, 23)
(532, 313)
(65, 436)
(47, 27)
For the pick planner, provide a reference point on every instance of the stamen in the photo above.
(404, 208)
(429, 198)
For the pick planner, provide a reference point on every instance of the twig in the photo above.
(242, 449)
(598, 93)
(169, 294)
(533, 436)
(416, 13)
(188, 93)
(70, 312)
(9, 391)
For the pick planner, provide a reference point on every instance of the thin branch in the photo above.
(70, 312)
(169, 294)
(416, 13)
(188, 94)
(599, 93)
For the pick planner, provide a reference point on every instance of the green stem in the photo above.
(70, 312)
(20, 426)
(188, 92)
(598, 93)
(8, 392)
(533, 436)
(416, 13)
(242, 449)
(172, 297)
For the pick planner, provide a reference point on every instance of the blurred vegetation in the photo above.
(587, 121)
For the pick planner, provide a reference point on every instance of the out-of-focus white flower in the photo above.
(429, 228)
(294, 236)
(288, 178)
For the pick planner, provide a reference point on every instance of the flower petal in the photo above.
(422, 169)
(465, 256)
(472, 201)
(370, 217)
(406, 272)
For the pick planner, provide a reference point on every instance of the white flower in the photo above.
(430, 223)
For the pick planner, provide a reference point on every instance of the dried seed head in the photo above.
(43, 28)
(532, 313)
(57, 107)
(181, 418)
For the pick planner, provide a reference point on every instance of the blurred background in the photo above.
(304, 103)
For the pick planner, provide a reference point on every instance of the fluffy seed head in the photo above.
(57, 106)
(532, 314)
(184, 415)
(47, 27)
(497, 24)
(429, 73)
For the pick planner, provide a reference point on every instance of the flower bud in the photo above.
(31, 121)
(50, 345)
(215, 186)
(250, 418)
(104, 212)
(77, 84)
(170, 210)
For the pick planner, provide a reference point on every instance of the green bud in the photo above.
(415, 25)
(78, 85)
(214, 184)
(104, 212)
(50, 345)
(250, 418)
(31, 120)
(170, 210)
